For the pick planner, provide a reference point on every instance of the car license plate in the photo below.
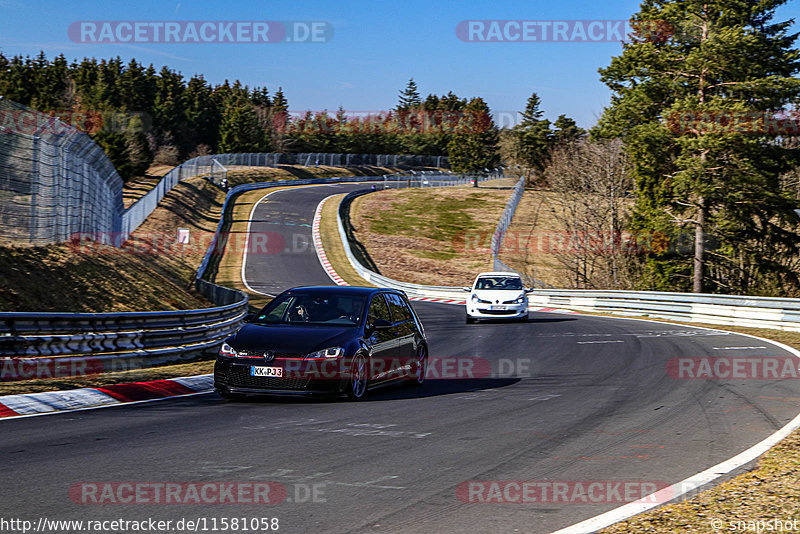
(498, 308)
(267, 371)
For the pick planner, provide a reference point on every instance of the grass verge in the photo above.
(418, 235)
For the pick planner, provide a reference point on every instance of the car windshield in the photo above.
(342, 310)
(499, 282)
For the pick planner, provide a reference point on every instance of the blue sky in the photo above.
(376, 47)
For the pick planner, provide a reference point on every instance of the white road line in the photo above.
(544, 398)
(247, 242)
(695, 481)
(598, 342)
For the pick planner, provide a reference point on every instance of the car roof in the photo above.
(499, 273)
(340, 290)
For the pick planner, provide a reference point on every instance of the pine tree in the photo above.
(279, 102)
(725, 56)
(473, 149)
(239, 130)
(566, 130)
(201, 113)
(409, 97)
(534, 138)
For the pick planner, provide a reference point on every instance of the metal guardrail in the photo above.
(757, 312)
(113, 341)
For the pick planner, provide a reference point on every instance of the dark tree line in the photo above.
(140, 115)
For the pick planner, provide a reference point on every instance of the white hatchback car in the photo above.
(497, 295)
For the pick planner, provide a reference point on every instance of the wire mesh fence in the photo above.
(500, 233)
(215, 167)
(54, 180)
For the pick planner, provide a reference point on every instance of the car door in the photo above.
(381, 341)
(403, 328)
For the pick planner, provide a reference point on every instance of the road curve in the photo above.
(591, 401)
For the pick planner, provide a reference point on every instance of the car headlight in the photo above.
(227, 350)
(333, 352)
(474, 298)
(479, 301)
(521, 299)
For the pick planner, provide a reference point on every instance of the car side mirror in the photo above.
(378, 324)
(529, 290)
(468, 289)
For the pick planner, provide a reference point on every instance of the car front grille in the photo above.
(239, 377)
(499, 312)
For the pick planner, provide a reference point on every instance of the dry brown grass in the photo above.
(770, 491)
(136, 188)
(418, 235)
(531, 237)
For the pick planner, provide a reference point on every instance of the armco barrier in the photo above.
(115, 341)
(757, 312)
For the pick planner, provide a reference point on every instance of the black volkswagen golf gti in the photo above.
(330, 340)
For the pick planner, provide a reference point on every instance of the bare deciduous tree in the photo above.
(590, 198)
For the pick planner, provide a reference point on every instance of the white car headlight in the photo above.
(521, 299)
(333, 352)
(227, 350)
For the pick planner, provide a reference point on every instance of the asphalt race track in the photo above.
(578, 398)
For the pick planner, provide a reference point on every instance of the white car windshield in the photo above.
(499, 282)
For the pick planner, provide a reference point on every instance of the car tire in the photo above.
(420, 366)
(359, 380)
(523, 319)
(470, 320)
